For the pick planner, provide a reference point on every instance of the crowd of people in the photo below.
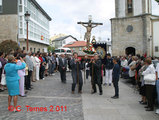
(142, 71)
(144, 74)
(19, 69)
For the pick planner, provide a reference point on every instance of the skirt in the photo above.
(3, 80)
(13, 87)
(47, 66)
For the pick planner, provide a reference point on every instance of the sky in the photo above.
(66, 13)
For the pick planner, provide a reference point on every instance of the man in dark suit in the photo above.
(95, 72)
(62, 68)
(76, 67)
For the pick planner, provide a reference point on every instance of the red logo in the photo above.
(11, 108)
(42, 37)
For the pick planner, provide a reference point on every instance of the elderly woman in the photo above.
(21, 74)
(132, 67)
(150, 85)
(12, 79)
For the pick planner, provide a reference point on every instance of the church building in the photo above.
(134, 30)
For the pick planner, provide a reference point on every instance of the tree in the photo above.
(51, 49)
(8, 45)
(157, 1)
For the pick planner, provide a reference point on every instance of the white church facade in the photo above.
(134, 30)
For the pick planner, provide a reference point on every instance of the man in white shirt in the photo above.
(124, 62)
(34, 69)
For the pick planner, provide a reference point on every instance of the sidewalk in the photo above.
(127, 107)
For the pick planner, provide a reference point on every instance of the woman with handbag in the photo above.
(150, 81)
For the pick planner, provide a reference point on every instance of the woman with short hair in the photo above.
(150, 85)
(12, 79)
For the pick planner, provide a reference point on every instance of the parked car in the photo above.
(66, 51)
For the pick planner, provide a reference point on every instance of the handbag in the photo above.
(133, 67)
(150, 78)
(3, 80)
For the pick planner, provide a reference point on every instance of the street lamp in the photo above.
(27, 18)
(108, 45)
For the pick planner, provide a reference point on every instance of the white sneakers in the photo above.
(157, 111)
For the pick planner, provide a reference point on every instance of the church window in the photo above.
(156, 48)
(130, 6)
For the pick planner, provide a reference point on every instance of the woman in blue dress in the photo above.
(12, 79)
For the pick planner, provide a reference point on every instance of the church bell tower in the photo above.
(131, 27)
(127, 8)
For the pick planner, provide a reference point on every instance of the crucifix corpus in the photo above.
(89, 25)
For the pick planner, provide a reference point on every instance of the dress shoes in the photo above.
(80, 92)
(93, 92)
(146, 107)
(24, 96)
(1, 90)
(149, 109)
(115, 97)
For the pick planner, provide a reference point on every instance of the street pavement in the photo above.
(46, 93)
(52, 100)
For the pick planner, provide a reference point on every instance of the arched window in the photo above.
(130, 6)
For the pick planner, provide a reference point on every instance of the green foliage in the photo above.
(157, 0)
(51, 49)
(8, 45)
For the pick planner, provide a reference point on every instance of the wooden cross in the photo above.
(89, 25)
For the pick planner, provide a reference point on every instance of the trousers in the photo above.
(116, 86)
(21, 86)
(108, 76)
(37, 69)
(157, 88)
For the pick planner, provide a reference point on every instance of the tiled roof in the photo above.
(62, 38)
(76, 44)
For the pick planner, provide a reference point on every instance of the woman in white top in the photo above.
(37, 63)
(150, 86)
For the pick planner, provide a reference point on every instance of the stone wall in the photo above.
(33, 45)
(138, 38)
(8, 27)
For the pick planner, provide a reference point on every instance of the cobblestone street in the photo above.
(79, 107)
(46, 93)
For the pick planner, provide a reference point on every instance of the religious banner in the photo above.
(101, 49)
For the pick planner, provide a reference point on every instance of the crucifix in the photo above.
(89, 25)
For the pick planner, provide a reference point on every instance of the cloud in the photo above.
(66, 13)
